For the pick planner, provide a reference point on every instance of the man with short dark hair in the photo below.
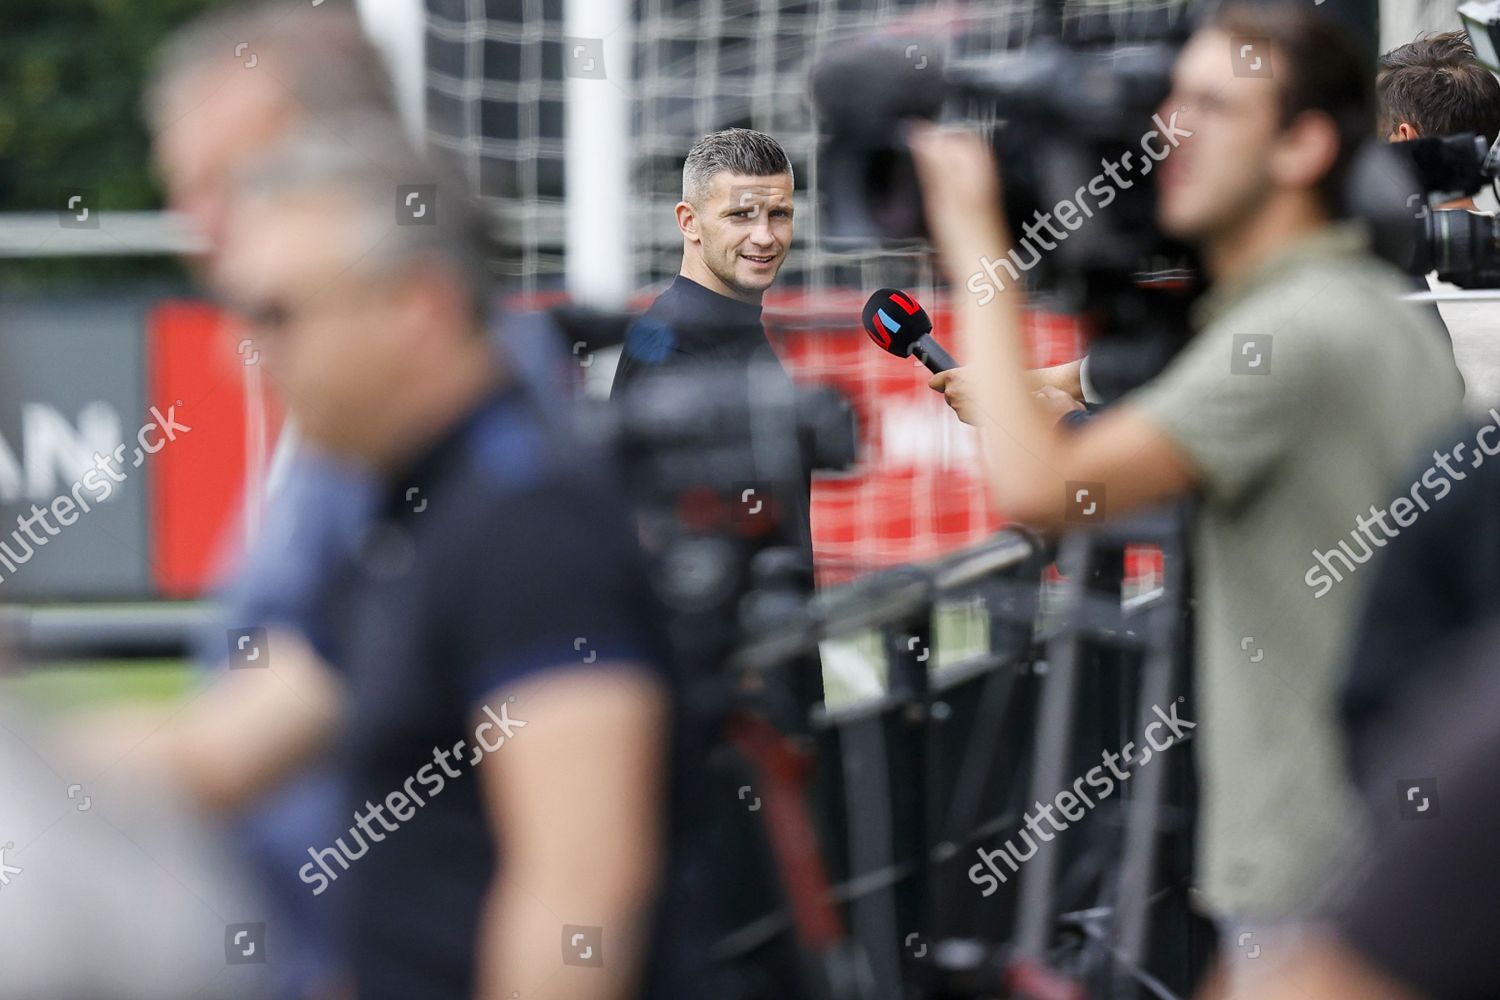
(735, 217)
(1301, 399)
(736, 222)
(1435, 86)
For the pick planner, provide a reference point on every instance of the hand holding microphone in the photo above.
(900, 326)
(897, 324)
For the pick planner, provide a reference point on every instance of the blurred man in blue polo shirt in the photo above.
(211, 111)
(496, 716)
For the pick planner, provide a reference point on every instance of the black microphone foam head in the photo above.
(894, 320)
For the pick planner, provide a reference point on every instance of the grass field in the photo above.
(62, 686)
(854, 668)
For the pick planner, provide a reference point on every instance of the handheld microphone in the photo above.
(898, 325)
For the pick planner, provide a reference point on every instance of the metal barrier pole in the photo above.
(1142, 825)
(1055, 729)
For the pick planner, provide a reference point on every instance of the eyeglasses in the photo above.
(269, 314)
(276, 313)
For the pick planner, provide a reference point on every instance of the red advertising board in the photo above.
(197, 485)
(916, 492)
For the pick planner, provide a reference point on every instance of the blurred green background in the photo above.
(70, 94)
(70, 86)
(61, 686)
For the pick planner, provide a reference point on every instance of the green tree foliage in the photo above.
(71, 73)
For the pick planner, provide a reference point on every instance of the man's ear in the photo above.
(687, 221)
(1405, 132)
(1306, 150)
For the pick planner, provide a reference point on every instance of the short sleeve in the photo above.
(1231, 400)
(560, 582)
(292, 576)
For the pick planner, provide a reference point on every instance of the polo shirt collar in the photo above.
(427, 466)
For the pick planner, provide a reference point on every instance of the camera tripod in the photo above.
(901, 791)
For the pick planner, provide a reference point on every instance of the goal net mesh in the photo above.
(496, 81)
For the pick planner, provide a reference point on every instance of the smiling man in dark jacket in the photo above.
(736, 221)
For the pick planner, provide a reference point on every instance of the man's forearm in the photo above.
(521, 943)
(1067, 376)
(1022, 445)
(249, 731)
(1324, 969)
(1031, 461)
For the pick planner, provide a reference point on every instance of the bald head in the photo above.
(236, 81)
(319, 60)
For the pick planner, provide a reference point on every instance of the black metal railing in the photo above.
(909, 785)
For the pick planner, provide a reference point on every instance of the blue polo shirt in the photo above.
(503, 553)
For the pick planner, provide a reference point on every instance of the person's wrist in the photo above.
(983, 240)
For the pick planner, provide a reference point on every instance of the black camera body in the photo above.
(717, 459)
(1058, 110)
(1067, 112)
(1069, 118)
(1462, 247)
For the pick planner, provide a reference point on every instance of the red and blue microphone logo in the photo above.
(895, 321)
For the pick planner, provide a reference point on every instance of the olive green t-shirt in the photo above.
(1305, 397)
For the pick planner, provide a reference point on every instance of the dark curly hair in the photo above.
(1436, 85)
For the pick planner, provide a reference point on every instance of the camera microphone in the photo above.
(896, 323)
